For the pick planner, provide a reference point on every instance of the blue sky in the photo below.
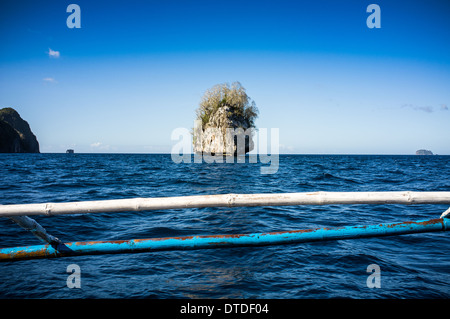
(136, 70)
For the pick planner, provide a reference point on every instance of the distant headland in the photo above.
(15, 133)
(424, 152)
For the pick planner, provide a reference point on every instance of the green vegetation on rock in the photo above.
(234, 99)
(222, 109)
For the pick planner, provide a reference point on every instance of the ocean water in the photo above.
(411, 266)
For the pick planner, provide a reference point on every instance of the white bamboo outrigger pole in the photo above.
(226, 200)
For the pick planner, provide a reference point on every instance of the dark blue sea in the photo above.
(411, 266)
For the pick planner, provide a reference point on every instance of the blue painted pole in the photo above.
(222, 241)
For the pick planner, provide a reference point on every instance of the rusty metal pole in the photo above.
(223, 241)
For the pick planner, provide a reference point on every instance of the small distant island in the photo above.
(424, 152)
(15, 133)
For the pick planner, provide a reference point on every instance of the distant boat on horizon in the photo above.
(70, 151)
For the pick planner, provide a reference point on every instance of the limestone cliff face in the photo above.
(224, 123)
(9, 139)
(224, 134)
(15, 133)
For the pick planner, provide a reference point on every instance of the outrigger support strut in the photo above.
(36, 229)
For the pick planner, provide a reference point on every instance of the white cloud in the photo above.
(100, 147)
(428, 109)
(49, 80)
(53, 54)
(286, 149)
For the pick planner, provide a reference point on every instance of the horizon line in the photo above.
(168, 153)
